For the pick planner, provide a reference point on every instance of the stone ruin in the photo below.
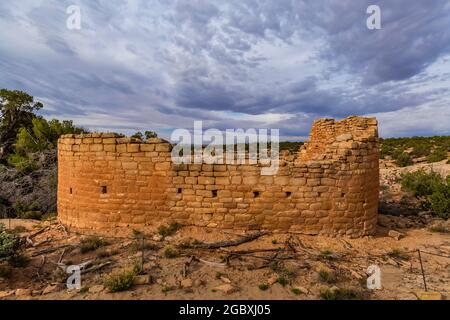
(329, 187)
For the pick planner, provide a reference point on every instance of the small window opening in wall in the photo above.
(288, 194)
(104, 189)
(179, 190)
(255, 194)
(70, 190)
(214, 193)
(342, 194)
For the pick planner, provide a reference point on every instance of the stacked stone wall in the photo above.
(330, 187)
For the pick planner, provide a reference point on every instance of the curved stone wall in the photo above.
(330, 187)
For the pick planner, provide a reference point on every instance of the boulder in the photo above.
(23, 292)
(51, 289)
(226, 288)
(142, 280)
(396, 234)
(6, 294)
(273, 279)
(186, 283)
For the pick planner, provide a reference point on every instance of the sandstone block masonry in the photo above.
(329, 187)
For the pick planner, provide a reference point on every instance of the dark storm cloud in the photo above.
(142, 64)
(414, 34)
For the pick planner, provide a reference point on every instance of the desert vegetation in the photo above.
(406, 151)
(431, 189)
(28, 144)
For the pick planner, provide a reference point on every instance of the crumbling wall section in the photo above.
(329, 188)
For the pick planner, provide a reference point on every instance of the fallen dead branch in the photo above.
(31, 236)
(61, 256)
(186, 265)
(36, 244)
(290, 245)
(82, 266)
(229, 243)
(97, 267)
(29, 241)
(347, 245)
(60, 226)
(244, 252)
(50, 250)
(213, 264)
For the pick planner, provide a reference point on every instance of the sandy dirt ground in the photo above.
(272, 266)
(236, 272)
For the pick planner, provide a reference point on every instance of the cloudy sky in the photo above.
(160, 65)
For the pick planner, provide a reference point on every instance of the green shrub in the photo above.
(440, 200)
(439, 229)
(327, 276)
(84, 289)
(170, 252)
(188, 243)
(137, 267)
(42, 135)
(136, 246)
(431, 189)
(386, 150)
(120, 281)
(263, 286)
(18, 260)
(9, 243)
(5, 271)
(402, 159)
(138, 135)
(296, 291)
(438, 154)
(91, 243)
(327, 255)
(341, 294)
(166, 231)
(421, 150)
(33, 215)
(27, 211)
(398, 254)
(291, 146)
(282, 280)
(165, 289)
(18, 229)
(150, 134)
(22, 163)
(420, 183)
(48, 216)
